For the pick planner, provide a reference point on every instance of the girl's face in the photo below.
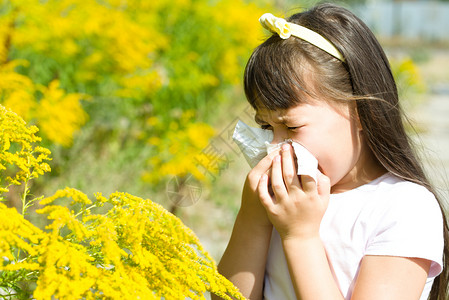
(331, 133)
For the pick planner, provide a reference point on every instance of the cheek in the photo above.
(335, 150)
(328, 162)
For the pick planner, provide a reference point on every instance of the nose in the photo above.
(279, 135)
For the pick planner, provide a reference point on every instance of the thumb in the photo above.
(323, 184)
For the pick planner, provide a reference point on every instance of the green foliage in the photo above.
(97, 72)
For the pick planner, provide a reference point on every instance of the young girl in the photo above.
(370, 227)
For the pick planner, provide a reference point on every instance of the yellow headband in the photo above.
(286, 29)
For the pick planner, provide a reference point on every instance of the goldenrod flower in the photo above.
(59, 114)
(179, 153)
(18, 148)
(136, 250)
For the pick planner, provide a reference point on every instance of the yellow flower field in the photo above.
(116, 247)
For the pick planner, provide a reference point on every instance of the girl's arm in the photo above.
(309, 269)
(380, 277)
(391, 278)
(243, 262)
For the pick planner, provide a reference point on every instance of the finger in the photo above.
(263, 167)
(323, 185)
(277, 179)
(288, 166)
(308, 183)
(264, 164)
(264, 194)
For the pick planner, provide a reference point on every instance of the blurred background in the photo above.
(142, 96)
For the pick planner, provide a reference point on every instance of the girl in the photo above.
(370, 227)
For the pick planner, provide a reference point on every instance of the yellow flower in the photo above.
(60, 115)
(22, 265)
(16, 232)
(17, 148)
(182, 151)
(136, 249)
(17, 90)
(76, 195)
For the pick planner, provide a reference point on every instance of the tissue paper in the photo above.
(251, 142)
(255, 144)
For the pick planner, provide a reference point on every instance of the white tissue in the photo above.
(255, 144)
(251, 142)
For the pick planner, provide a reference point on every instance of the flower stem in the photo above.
(85, 209)
(24, 198)
(24, 207)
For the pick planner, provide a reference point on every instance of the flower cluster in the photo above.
(179, 149)
(116, 247)
(135, 250)
(86, 41)
(132, 60)
(59, 114)
(20, 158)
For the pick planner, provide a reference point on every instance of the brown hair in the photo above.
(278, 73)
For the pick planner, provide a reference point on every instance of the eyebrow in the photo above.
(259, 120)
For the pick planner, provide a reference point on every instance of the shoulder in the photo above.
(408, 222)
(385, 200)
(389, 195)
(393, 184)
(404, 196)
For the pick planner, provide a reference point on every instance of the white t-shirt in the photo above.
(388, 216)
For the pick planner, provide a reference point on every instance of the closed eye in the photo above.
(269, 127)
(266, 126)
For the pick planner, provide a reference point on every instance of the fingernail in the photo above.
(285, 147)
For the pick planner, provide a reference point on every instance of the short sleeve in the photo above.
(410, 224)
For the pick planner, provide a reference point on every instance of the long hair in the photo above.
(280, 72)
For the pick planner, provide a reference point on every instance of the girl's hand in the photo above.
(251, 206)
(298, 205)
